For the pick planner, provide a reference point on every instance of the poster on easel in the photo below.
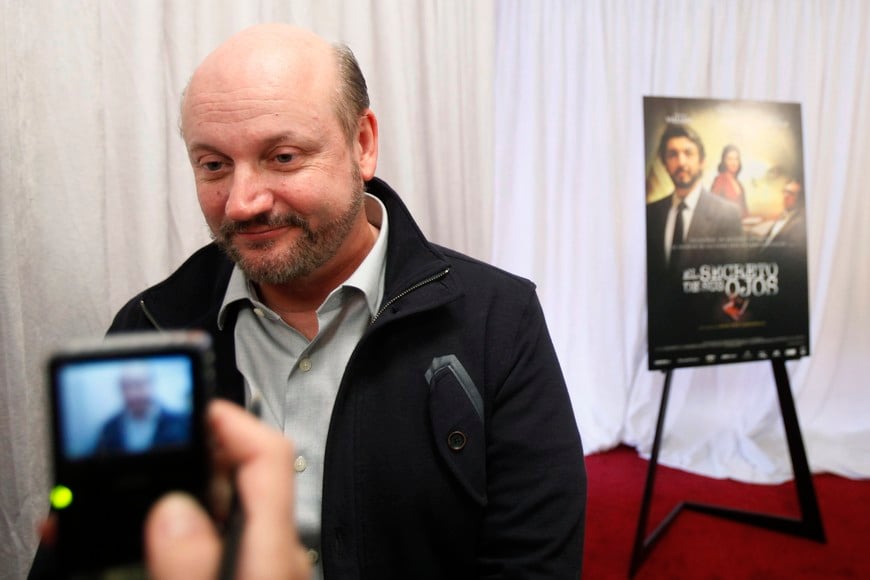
(726, 232)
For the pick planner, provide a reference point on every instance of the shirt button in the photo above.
(313, 557)
(305, 365)
(300, 464)
(259, 312)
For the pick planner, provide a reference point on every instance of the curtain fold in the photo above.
(569, 164)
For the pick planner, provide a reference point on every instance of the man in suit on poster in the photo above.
(789, 230)
(785, 244)
(687, 228)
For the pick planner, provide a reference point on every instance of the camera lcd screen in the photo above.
(124, 406)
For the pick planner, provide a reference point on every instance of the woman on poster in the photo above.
(726, 183)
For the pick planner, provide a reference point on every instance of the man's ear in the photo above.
(367, 144)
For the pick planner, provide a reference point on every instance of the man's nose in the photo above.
(249, 195)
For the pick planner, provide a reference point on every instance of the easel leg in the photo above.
(640, 550)
(808, 526)
(811, 517)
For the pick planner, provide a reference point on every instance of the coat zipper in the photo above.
(149, 316)
(389, 303)
(407, 291)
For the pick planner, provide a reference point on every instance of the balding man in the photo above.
(433, 429)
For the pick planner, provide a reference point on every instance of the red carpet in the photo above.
(702, 546)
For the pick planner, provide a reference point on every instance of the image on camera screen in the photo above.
(128, 406)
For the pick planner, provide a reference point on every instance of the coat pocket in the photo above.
(456, 416)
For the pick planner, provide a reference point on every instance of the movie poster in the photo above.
(726, 232)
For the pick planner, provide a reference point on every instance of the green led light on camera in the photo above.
(61, 496)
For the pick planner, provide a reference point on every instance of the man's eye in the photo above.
(284, 157)
(213, 165)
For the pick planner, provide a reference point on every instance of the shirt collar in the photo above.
(368, 277)
(238, 289)
(690, 200)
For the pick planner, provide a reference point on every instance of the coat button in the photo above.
(457, 440)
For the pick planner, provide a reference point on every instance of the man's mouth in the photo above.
(261, 228)
(256, 231)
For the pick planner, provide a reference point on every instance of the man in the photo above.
(789, 230)
(785, 245)
(434, 432)
(143, 424)
(685, 229)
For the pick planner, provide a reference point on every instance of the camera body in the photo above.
(128, 426)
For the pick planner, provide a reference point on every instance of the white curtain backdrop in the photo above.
(97, 197)
(512, 129)
(570, 213)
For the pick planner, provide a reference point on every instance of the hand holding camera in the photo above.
(181, 541)
(133, 424)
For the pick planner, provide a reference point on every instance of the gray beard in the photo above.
(311, 250)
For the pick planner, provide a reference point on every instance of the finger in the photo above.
(220, 496)
(221, 488)
(263, 457)
(264, 479)
(180, 541)
(48, 530)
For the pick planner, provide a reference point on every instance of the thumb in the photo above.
(180, 540)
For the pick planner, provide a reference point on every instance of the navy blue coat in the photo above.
(452, 450)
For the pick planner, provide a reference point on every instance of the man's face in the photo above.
(138, 395)
(278, 183)
(683, 163)
(790, 193)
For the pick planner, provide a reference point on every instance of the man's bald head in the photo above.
(288, 59)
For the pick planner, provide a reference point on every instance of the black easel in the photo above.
(808, 526)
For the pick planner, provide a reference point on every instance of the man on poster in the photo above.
(784, 245)
(788, 230)
(687, 228)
